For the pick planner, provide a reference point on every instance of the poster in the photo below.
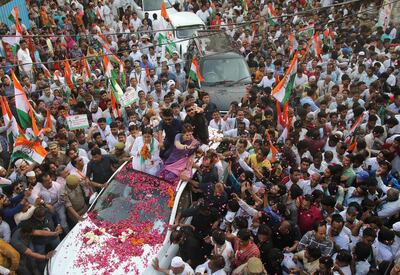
(77, 122)
(128, 98)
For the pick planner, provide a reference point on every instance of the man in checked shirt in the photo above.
(317, 238)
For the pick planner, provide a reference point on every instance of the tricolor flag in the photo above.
(111, 75)
(286, 131)
(282, 117)
(316, 46)
(116, 89)
(272, 15)
(283, 90)
(13, 131)
(328, 37)
(68, 75)
(108, 67)
(272, 148)
(353, 128)
(114, 106)
(307, 31)
(113, 58)
(25, 111)
(86, 72)
(13, 17)
(194, 72)
(14, 40)
(28, 150)
(102, 40)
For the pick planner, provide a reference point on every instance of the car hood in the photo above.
(73, 256)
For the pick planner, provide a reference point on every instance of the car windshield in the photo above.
(224, 70)
(154, 5)
(188, 31)
(134, 198)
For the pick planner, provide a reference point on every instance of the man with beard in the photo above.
(196, 118)
(172, 127)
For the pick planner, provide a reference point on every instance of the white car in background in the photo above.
(151, 7)
(185, 25)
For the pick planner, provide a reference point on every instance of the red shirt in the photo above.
(243, 254)
(306, 218)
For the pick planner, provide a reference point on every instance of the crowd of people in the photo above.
(306, 186)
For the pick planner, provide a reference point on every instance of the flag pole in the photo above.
(187, 84)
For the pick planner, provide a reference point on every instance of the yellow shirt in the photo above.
(257, 165)
(9, 257)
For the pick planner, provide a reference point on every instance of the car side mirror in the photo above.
(92, 198)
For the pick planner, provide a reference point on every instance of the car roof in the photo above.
(182, 19)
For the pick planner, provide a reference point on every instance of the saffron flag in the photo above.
(272, 148)
(283, 90)
(164, 13)
(28, 150)
(68, 75)
(49, 122)
(194, 72)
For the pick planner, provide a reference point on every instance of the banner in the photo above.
(128, 98)
(77, 122)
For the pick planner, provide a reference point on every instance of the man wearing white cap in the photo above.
(396, 244)
(171, 88)
(178, 267)
(31, 178)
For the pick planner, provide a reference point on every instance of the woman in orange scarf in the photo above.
(146, 156)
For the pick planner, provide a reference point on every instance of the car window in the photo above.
(154, 5)
(136, 197)
(188, 31)
(224, 70)
(139, 3)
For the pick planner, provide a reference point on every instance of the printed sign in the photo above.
(128, 98)
(77, 122)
